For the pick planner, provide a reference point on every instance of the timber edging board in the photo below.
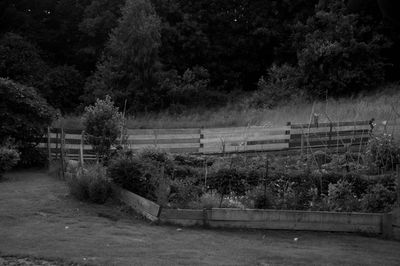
(141, 205)
(373, 223)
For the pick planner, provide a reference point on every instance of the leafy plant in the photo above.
(383, 151)
(102, 122)
(227, 181)
(280, 85)
(136, 175)
(183, 192)
(378, 199)
(341, 197)
(9, 157)
(90, 184)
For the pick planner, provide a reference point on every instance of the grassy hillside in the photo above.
(383, 106)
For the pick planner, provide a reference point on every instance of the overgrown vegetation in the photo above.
(241, 182)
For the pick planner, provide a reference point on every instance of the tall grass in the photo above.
(380, 106)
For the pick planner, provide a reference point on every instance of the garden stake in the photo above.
(265, 179)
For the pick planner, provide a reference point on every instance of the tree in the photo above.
(130, 61)
(98, 20)
(25, 117)
(20, 60)
(338, 54)
(62, 86)
(102, 122)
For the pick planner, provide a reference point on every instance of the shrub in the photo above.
(341, 197)
(90, 184)
(378, 199)
(157, 157)
(261, 199)
(383, 152)
(102, 123)
(183, 192)
(8, 158)
(136, 175)
(282, 85)
(227, 181)
(24, 117)
(208, 200)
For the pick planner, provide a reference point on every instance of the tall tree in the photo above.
(20, 60)
(127, 69)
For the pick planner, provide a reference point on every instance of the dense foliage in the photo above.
(149, 52)
(182, 181)
(90, 184)
(9, 157)
(25, 117)
(102, 125)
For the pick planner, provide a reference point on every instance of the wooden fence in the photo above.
(292, 137)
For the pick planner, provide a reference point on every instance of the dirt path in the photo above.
(39, 219)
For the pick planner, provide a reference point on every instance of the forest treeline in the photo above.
(176, 54)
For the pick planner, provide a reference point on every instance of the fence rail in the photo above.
(293, 137)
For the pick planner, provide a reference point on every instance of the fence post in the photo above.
(387, 227)
(155, 138)
(201, 136)
(62, 153)
(81, 147)
(56, 144)
(49, 145)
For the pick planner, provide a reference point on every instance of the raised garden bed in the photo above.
(372, 223)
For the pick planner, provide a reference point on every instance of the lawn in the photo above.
(39, 219)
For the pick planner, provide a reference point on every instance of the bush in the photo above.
(183, 192)
(261, 199)
(102, 123)
(282, 85)
(227, 181)
(8, 158)
(383, 152)
(341, 197)
(90, 184)
(134, 174)
(378, 199)
(24, 117)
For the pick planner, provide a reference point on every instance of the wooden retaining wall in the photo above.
(372, 223)
(141, 205)
(293, 137)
